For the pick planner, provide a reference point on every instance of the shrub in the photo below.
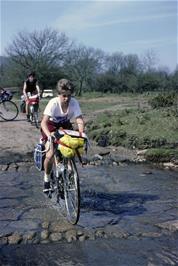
(162, 100)
(159, 155)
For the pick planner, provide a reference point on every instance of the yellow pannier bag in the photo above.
(68, 146)
(66, 152)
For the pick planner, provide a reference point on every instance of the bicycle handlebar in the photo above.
(62, 132)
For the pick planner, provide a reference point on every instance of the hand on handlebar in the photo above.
(52, 138)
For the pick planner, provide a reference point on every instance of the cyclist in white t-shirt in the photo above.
(58, 113)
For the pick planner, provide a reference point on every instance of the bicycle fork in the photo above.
(59, 181)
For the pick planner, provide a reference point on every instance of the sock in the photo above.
(46, 177)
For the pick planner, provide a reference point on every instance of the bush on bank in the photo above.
(163, 100)
(161, 155)
(137, 128)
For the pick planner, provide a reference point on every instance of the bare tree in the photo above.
(82, 64)
(149, 60)
(41, 51)
(114, 62)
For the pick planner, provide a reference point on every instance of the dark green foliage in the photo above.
(161, 155)
(163, 100)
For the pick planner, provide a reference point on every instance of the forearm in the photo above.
(38, 89)
(24, 91)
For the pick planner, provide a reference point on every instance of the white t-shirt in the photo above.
(54, 110)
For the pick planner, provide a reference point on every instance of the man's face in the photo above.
(31, 78)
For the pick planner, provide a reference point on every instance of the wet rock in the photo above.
(60, 227)
(85, 160)
(4, 167)
(147, 173)
(15, 238)
(140, 160)
(55, 237)
(71, 235)
(36, 240)
(90, 235)
(46, 241)
(44, 234)
(116, 232)
(13, 167)
(97, 157)
(141, 152)
(29, 236)
(175, 161)
(6, 234)
(82, 235)
(170, 165)
(150, 234)
(92, 163)
(98, 163)
(3, 240)
(100, 233)
(172, 226)
(83, 238)
(45, 225)
(104, 153)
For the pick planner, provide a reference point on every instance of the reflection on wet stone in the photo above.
(113, 205)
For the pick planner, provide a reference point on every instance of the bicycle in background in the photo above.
(65, 183)
(8, 109)
(33, 105)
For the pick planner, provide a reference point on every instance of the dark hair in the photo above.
(32, 73)
(66, 85)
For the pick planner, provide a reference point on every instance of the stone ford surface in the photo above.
(128, 217)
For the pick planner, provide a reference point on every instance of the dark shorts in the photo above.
(52, 127)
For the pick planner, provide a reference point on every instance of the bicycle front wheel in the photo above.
(31, 113)
(8, 110)
(72, 191)
(36, 119)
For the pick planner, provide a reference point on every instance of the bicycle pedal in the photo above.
(47, 194)
(50, 194)
(62, 195)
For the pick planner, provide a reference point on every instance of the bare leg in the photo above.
(48, 162)
(27, 109)
(48, 167)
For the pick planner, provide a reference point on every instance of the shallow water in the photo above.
(117, 195)
(128, 202)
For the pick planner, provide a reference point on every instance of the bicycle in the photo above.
(65, 183)
(33, 105)
(8, 109)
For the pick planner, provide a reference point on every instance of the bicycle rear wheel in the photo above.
(8, 110)
(71, 191)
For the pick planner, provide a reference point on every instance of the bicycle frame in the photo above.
(65, 184)
(33, 102)
(33, 105)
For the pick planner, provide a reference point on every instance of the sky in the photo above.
(130, 27)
